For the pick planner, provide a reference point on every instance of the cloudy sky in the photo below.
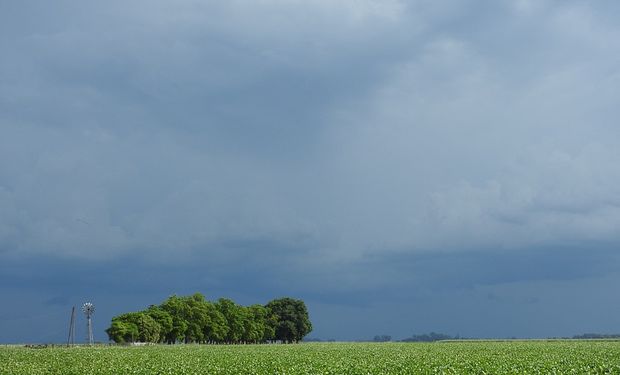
(402, 166)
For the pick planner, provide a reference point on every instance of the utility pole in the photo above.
(71, 338)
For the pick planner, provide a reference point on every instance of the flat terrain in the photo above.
(473, 357)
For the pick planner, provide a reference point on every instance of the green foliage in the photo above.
(292, 321)
(135, 326)
(525, 357)
(255, 324)
(122, 332)
(175, 307)
(148, 328)
(217, 330)
(194, 319)
(235, 317)
(163, 318)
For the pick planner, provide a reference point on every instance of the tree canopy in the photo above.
(291, 319)
(194, 319)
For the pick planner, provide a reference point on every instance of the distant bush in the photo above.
(429, 337)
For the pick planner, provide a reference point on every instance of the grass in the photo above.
(518, 357)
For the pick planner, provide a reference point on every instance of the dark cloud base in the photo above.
(420, 292)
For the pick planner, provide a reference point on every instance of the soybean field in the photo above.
(465, 357)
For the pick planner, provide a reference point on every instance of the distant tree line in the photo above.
(193, 319)
(382, 338)
(430, 337)
(594, 336)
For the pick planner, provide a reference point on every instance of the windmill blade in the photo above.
(88, 308)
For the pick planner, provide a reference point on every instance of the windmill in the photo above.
(89, 309)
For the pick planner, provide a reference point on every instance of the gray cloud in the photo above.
(494, 293)
(318, 138)
(201, 123)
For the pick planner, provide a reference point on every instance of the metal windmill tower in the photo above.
(89, 309)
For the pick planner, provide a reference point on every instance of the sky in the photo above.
(401, 166)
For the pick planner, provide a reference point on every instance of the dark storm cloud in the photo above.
(477, 282)
(347, 152)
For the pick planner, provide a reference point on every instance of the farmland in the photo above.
(513, 357)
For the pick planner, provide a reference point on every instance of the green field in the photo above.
(516, 357)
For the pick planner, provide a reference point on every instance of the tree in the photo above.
(194, 319)
(148, 328)
(217, 330)
(163, 318)
(195, 313)
(234, 319)
(255, 323)
(293, 322)
(176, 307)
(122, 332)
(271, 322)
(134, 326)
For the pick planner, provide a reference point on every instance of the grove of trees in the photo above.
(194, 319)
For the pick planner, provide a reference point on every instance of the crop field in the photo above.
(515, 357)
